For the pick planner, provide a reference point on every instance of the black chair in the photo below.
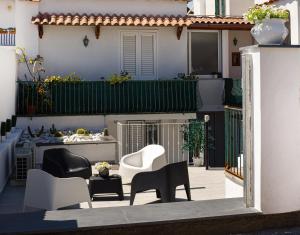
(164, 181)
(61, 163)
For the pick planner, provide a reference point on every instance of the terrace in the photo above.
(84, 98)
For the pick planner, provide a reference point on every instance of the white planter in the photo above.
(270, 32)
(199, 161)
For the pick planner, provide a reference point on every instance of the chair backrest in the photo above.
(152, 152)
(44, 191)
(39, 189)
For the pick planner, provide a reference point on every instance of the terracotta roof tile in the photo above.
(130, 20)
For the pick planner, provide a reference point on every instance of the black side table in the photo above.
(112, 184)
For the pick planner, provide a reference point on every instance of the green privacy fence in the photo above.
(234, 141)
(100, 97)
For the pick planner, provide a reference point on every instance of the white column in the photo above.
(26, 33)
(200, 7)
(210, 7)
(225, 53)
(276, 128)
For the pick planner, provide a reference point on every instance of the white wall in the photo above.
(94, 122)
(8, 68)
(64, 52)
(26, 32)
(7, 13)
(238, 7)
(149, 7)
(276, 114)
(244, 38)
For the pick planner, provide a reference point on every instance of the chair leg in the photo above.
(158, 193)
(172, 193)
(188, 191)
(90, 204)
(132, 196)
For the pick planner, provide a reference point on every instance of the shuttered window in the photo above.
(129, 54)
(139, 54)
(147, 55)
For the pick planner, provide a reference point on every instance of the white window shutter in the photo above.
(147, 56)
(129, 53)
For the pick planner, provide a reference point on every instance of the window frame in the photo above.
(139, 34)
(220, 69)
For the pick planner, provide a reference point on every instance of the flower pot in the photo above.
(270, 32)
(104, 172)
(198, 162)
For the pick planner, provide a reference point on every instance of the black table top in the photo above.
(111, 177)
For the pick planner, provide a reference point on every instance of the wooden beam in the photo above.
(179, 32)
(221, 26)
(41, 31)
(97, 31)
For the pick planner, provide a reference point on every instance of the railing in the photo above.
(233, 92)
(100, 97)
(7, 37)
(234, 141)
(134, 135)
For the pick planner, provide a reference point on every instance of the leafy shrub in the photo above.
(260, 12)
(118, 79)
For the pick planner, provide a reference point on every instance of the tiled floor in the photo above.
(205, 185)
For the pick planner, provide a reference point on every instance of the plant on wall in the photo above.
(260, 12)
(118, 79)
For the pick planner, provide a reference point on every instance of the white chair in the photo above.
(44, 191)
(150, 158)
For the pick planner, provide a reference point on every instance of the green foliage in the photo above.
(34, 65)
(118, 79)
(194, 137)
(82, 131)
(72, 77)
(260, 12)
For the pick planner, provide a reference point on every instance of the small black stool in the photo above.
(111, 184)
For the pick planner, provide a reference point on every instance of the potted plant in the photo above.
(194, 141)
(3, 131)
(269, 24)
(105, 135)
(8, 126)
(103, 169)
(13, 121)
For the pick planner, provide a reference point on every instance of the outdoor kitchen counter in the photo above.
(94, 151)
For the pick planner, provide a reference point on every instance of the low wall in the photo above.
(8, 67)
(233, 186)
(95, 122)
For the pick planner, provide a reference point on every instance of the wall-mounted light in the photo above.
(235, 41)
(86, 41)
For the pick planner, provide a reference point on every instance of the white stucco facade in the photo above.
(232, 7)
(7, 10)
(275, 92)
(64, 52)
(8, 67)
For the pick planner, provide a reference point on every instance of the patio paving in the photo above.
(205, 185)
